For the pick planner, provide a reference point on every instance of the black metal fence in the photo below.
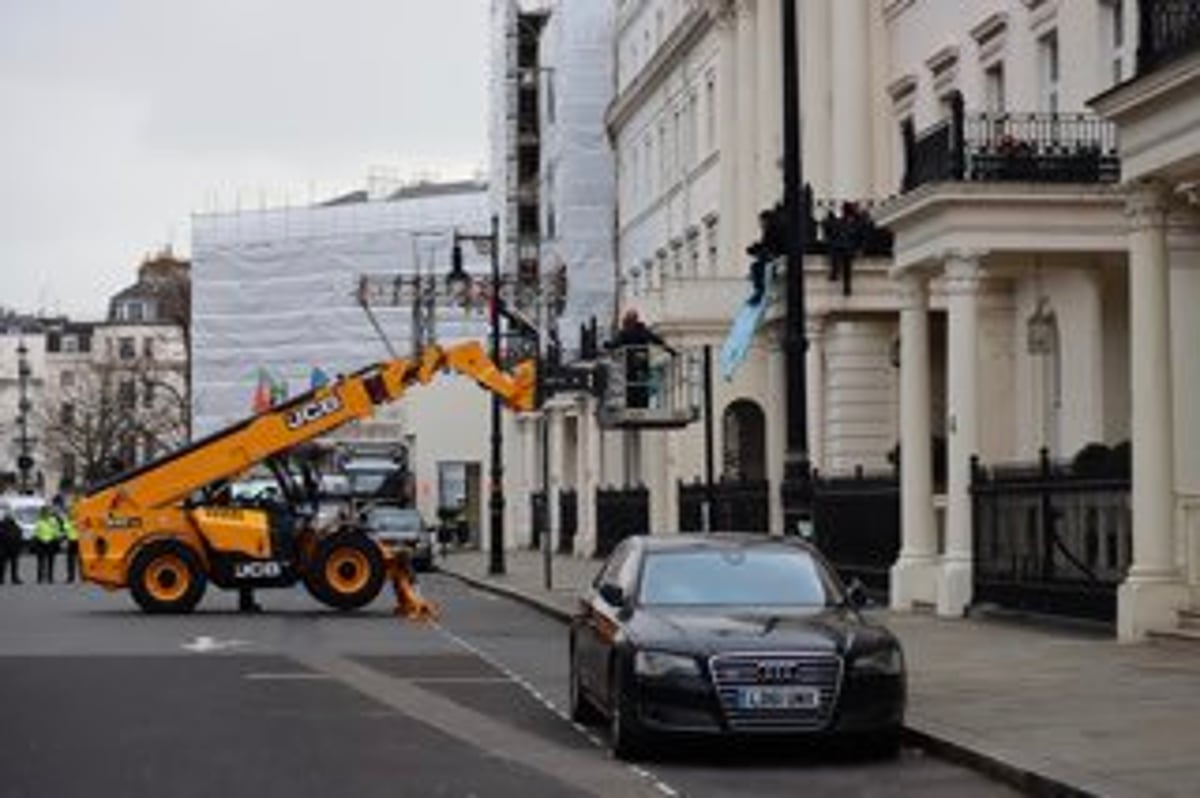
(998, 147)
(1050, 539)
(1168, 29)
(856, 524)
(568, 520)
(741, 506)
(620, 512)
(538, 518)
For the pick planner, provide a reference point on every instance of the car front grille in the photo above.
(732, 674)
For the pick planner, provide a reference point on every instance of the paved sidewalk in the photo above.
(1052, 710)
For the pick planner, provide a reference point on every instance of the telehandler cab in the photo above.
(161, 530)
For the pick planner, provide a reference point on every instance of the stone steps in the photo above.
(1187, 628)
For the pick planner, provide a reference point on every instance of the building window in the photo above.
(131, 310)
(693, 246)
(126, 394)
(148, 386)
(1112, 23)
(1048, 70)
(66, 380)
(148, 348)
(710, 112)
(993, 80)
(126, 348)
(710, 236)
(66, 414)
(692, 132)
(70, 343)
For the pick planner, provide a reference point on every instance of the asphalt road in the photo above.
(98, 699)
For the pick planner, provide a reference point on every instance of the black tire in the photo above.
(166, 578)
(347, 572)
(627, 735)
(582, 710)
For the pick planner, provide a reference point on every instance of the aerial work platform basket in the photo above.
(649, 386)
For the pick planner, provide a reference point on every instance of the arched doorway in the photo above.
(744, 455)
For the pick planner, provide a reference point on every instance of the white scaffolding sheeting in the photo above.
(274, 291)
(579, 180)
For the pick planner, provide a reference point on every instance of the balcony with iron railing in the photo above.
(1011, 147)
(1167, 30)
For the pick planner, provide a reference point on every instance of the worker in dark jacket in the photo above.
(633, 341)
(10, 546)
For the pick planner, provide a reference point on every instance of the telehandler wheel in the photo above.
(347, 572)
(166, 578)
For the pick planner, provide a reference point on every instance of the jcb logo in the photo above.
(311, 411)
(257, 570)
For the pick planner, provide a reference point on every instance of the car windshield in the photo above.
(761, 576)
(395, 520)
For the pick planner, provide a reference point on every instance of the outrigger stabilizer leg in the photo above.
(409, 602)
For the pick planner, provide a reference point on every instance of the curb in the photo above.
(1027, 781)
(489, 586)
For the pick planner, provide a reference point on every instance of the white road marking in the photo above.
(520, 681)
(204, 644)
(294, 676)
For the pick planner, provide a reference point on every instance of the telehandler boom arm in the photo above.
(168, 481)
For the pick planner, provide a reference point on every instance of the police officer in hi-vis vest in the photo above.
(46, 534)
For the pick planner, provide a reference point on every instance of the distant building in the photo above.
(275, 305)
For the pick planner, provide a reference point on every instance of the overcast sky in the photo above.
(120, 118)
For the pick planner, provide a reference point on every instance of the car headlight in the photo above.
(883, 662)
(662, 663)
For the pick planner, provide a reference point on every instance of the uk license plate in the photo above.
(779, 698)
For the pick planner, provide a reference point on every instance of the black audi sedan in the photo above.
(731, 635)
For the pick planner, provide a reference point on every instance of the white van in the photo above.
(25, 509)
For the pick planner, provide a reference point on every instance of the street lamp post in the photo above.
(496, 471)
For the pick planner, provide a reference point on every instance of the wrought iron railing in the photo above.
(737, 506)
(1050, 537)
(998, 147)
(568, 520)
(856, 525)
(620, 512)
(1168, 29)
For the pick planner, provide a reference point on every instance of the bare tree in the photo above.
(113, 416)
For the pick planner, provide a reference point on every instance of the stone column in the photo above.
(813, 33)
(1153, 590)
(776, 412)
(587, 474)
(914, 575)
(727, 136)
(770, 103)
(746, 133)
(557, 417)
(531, 435)
(814, 330)
(851, 95)
(962, 405)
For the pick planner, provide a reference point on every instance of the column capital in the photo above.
(1147, 204)
(963, 271)
(914, 291)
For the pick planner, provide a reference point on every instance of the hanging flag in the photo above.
(261, 401)
(279, 392)
(741, 334)
(317, 378)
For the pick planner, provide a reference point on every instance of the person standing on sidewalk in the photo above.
(71, 536)
(45, 544)
(11, 541)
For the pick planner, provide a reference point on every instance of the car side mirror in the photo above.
(856, 595)
(613, 595)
